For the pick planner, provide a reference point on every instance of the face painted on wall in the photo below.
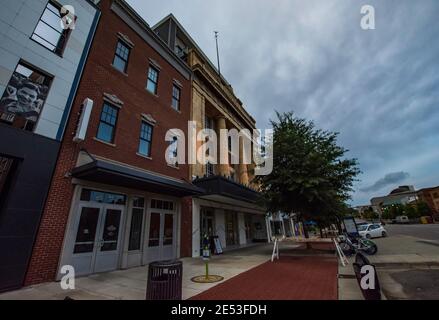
(27, 97)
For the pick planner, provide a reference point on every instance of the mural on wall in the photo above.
(24, 97)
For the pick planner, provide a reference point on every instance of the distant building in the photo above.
(431, 197)
(401, 195)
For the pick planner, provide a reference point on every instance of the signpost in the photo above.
(206, 258)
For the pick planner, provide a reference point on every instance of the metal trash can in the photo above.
(165, 280)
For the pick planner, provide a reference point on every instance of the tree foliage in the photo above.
(411, 210)
(311, 175)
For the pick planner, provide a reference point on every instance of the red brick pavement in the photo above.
(290, 278)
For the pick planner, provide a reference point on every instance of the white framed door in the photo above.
(108, 242)
(98, 237)
(161, 242)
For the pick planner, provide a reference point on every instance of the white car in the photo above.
(373, 230)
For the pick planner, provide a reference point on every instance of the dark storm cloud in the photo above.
(389, 179)
(378, 88)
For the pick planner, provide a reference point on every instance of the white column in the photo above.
(241, 227)
(220, 226)
(195, 228)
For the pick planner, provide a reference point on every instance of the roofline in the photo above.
(133, 13)
(179, 25)
(427, 189)
(172, 17)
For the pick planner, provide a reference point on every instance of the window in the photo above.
(136, 224)
(208, 123)
(107, 124)
(7, 167)
(145, 139)
(102, 197)
(176, 92)
(153, 77)
(24, 97)
(173, 151)
(121, 56)
(162, 205)
(49, 31)
(209, 170)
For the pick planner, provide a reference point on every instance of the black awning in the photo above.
(119, 175)
(228, 188)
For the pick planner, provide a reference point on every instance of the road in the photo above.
(408, 262)
(421, 231)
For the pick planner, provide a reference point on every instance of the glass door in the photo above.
(207, 225)
(168, 244)
(107, 253)
(153, 241)
(161, 238)
(231, 228)
(86, 239)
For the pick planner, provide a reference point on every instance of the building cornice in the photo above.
(122, 9)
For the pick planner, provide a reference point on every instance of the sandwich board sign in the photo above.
(218, 247)
(350, 226)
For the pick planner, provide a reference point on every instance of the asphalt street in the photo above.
(421, 231)
(408, 262)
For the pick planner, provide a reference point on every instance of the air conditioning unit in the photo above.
(84, 119)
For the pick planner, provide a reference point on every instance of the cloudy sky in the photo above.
(378, 88)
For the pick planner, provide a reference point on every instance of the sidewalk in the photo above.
(289, 278)
(131, 284)
(348, 288)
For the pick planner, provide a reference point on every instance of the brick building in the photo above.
(229, 208)
(431, 197)
(115, 202)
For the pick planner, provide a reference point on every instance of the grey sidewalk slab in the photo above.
(131, 284)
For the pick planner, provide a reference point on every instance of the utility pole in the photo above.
(217, 54)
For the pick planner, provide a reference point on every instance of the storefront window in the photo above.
(111, 230)
(163, 205)
(87, 230)
(154, 230)
(102, 197)
(6, 165)
(169, 230)
(136, 224)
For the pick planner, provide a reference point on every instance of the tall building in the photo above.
(115, 202)
(229, 208)
(43, 48)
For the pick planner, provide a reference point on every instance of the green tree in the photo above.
(423, 209)
(369, 214)
(411, 211)
(311, 176)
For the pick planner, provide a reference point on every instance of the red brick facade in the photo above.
(101, 77)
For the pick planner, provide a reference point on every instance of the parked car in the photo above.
(401, 220)
(373, 230)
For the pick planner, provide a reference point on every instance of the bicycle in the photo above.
(351, 245)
